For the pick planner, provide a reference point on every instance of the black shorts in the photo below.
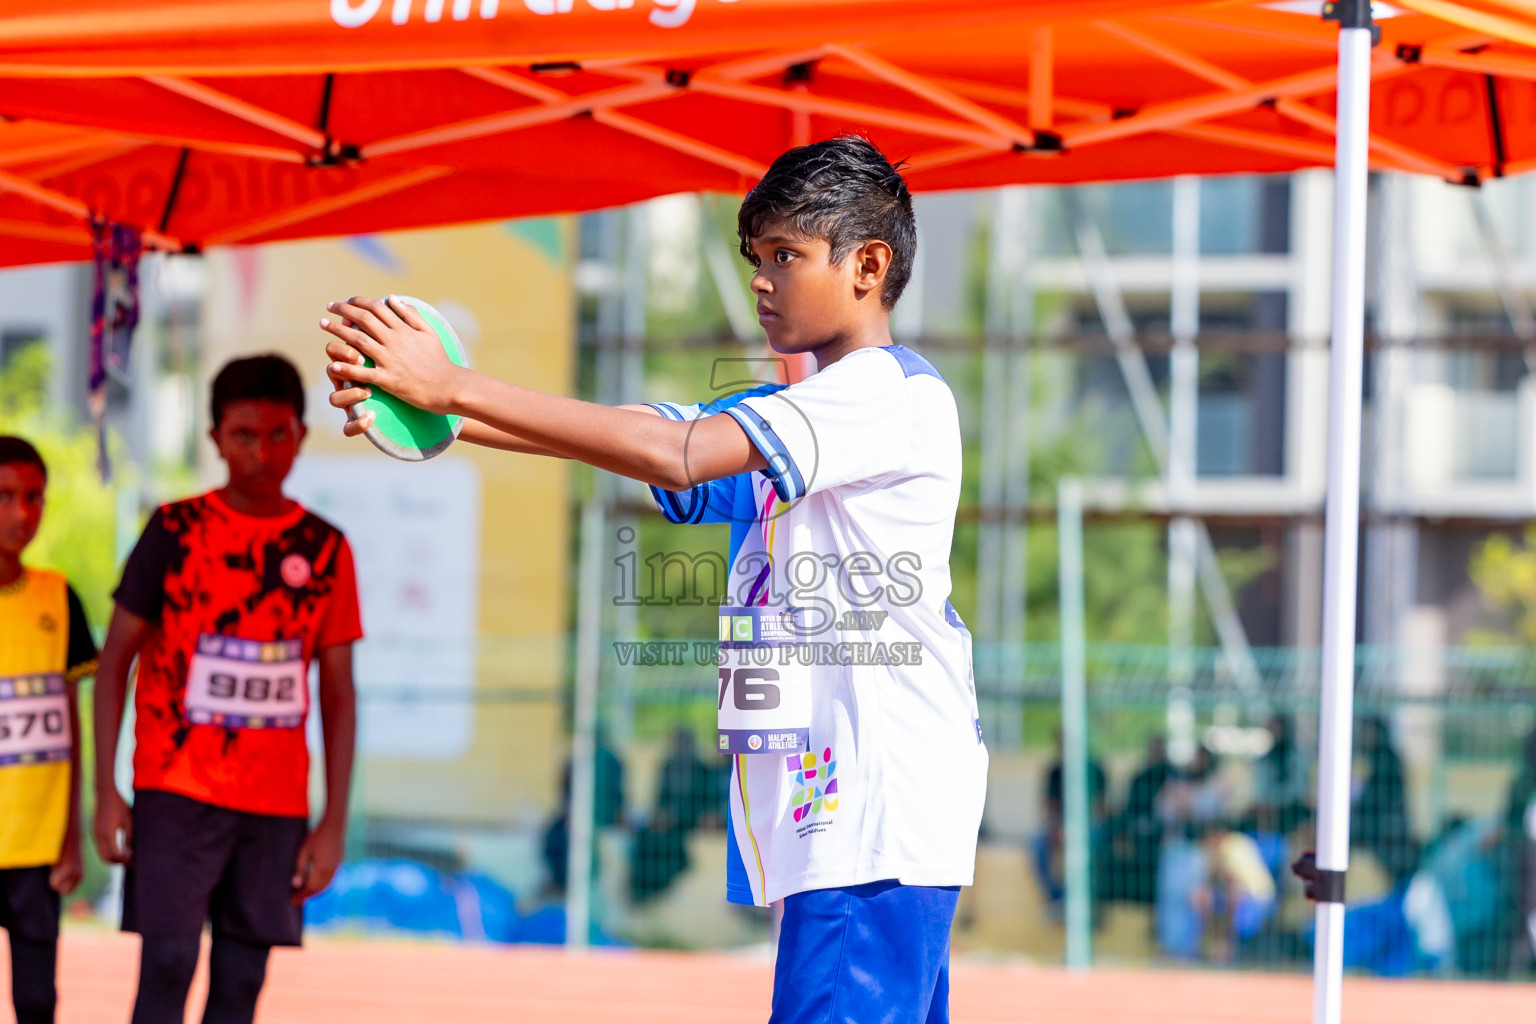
(194, 862)
(29, 908)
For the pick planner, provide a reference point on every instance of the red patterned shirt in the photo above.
(240, 605)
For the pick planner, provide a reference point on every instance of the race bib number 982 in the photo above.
(34, 720)
(247, 684)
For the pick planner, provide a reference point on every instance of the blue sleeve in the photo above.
(715, 501)
(711, 502)
(782, 470)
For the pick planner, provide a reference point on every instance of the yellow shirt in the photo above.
(37, 618)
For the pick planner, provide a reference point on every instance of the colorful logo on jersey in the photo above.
(815, 783)
(295, 570)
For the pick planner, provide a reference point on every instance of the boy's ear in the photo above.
(213, 435)
(872, 260)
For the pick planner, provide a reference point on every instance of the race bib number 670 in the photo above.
(247, 684)
(34, 720)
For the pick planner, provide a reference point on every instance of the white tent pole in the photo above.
(1076, 810)
(1181, 468)
(1342, 525)
(579, 820)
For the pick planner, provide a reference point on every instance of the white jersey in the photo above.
(851, 527)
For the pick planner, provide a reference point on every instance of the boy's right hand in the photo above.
(113, 827)
(407, 358)
(69, 868)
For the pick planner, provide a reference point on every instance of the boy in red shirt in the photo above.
(226, 600)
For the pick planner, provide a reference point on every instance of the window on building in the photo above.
(1239, 216)
(1243, 216)
(1135, 219)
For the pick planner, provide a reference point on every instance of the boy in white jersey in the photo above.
(846, 696)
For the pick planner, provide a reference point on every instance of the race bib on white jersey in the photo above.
(34, 720)
(247, 684)
(764, 702)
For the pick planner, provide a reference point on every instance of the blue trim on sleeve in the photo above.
(694, 505)
(705, 495)
(952, 617)
(675, 412)
(782, 471)
(912, 364)
(731, 401)
(671, 506)
(671, 502)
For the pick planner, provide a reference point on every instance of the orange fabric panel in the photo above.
(107, 37)
(222, 121)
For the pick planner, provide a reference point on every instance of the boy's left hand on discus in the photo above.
(319, 858)
(408, 359)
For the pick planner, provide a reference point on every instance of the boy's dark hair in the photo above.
(843, 190)
(18, 451)
(270, 378)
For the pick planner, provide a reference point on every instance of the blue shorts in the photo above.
(865, 954)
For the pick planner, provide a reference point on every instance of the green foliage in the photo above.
(675, 609)
(78, 535)
(1124, 563)
(1504, 573)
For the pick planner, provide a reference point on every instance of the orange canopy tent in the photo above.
(206, 122)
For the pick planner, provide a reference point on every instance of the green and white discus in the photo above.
(401, 430)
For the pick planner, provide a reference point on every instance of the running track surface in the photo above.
(377, 982)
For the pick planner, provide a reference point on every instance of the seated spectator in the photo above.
(1048, 846)
(607, 809)
(1379, 814)
(1238, 893)
(689, 793)
(1194, 795)
(1282, 787)
(1134, 837)
(1517, 866)
(1193, 798)
(1460, 883)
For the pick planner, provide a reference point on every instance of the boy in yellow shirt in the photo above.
(45, 649)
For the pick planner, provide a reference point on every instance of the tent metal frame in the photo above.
(972, 131)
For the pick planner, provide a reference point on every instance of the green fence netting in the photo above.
(1202, 778)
